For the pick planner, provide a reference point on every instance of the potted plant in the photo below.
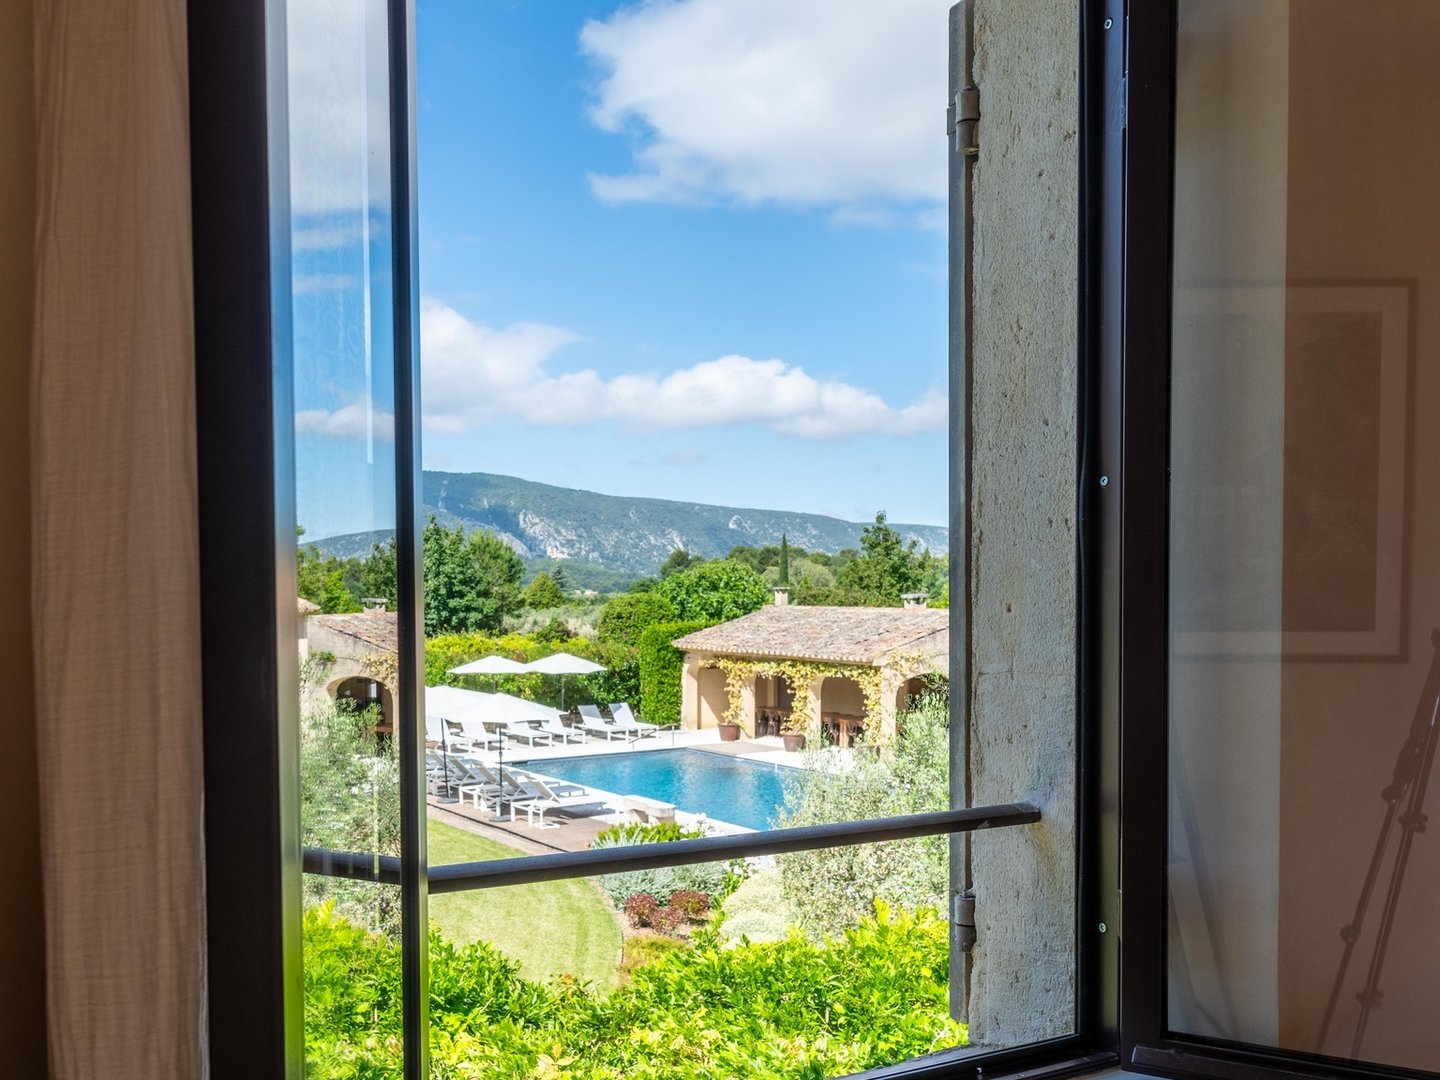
(792, 734)
(729, 731)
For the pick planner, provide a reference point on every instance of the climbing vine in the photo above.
(799, 674)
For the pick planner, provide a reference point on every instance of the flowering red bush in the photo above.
(691, 903)
(641, 908)
(667, 920)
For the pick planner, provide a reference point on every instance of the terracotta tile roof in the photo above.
(305, 607)
(376, 628)
(854, 635)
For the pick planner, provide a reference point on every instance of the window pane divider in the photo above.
(527, 869)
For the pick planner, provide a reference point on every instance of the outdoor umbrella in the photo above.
(562, 664)
(490, 665)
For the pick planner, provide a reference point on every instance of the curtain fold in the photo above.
(115, 562)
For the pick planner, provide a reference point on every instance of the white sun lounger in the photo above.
(539, 797)
(625, 718)
(556, 729)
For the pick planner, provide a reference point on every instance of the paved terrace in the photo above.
(578, 829)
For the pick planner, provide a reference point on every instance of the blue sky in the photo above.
(691, 249)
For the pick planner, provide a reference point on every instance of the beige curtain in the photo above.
(114, 583)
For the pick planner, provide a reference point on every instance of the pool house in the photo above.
(837, 672)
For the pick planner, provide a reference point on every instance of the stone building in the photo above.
(842, 668)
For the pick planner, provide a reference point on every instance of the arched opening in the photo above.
(774, 701)
(842, 709)
(360, 692)
(909, 690)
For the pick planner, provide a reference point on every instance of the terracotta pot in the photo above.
(793, 740)
(729, 732)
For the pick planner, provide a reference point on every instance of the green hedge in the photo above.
(785, 1010)
(660, 667)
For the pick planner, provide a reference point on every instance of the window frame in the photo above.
(254, 862)
(1137, 177)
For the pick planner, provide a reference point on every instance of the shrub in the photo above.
(756, 911)
(350, 801)
(628, 615)
(658, 832)
(667, 920)
(661, 665)
(640, 909)
(663, 882)
(785, 1009)
(691, 903)
(833, 889)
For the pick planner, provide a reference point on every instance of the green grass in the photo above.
(551, 928)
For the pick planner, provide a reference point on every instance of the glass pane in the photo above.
(345, 487)
(762, 967)
(1302, 503)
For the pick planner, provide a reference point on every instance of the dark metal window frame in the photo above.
(245, 411)
(1136, 178)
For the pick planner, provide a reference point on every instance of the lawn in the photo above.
(551, 928)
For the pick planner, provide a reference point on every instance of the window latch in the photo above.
(962, 914)
(962, 121)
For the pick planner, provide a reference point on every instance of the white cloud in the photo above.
(473, 374)
(339, 123)
(832, 103)
(355, 421)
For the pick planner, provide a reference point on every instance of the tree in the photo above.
(326, 581)
(784, 579)
(377, 573)
(715, 591)
(543, 592)
(679, 561)
(469, 584)
(887, 567)
(628, 615)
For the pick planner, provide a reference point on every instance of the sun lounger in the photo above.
(518, 778)
(487, 789)
(473, 734)
(539, 797)
(529, 733)
(556, 729)
(625, 718)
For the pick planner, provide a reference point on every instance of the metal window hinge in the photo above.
(962, 121)
(962, 914)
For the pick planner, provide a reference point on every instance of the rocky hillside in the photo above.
(624, 535)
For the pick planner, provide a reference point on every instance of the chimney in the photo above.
(915, 599)
(782, 595)
(373, 603)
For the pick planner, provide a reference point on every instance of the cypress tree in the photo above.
(784, 561)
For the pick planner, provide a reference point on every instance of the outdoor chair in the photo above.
(626, 719)
(557, 730)
(486, 788)
(606, 729)
(531, 734)
(538, 797)
(518, 778)
(473, 734)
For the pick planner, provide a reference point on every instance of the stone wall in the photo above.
(1023, 524)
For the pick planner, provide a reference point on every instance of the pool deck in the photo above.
(576, 831)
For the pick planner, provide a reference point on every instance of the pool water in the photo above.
(745, 793)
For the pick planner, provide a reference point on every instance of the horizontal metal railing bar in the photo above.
(526, 869)
(567, 864)
(353, 865)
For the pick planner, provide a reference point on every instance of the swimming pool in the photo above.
(745, 793)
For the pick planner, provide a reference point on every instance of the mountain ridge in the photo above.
(624, 534)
